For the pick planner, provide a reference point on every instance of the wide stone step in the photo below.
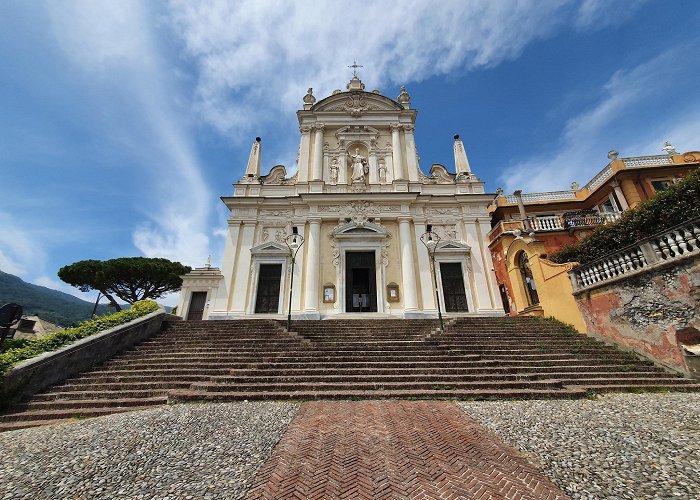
(564, 393)
(70, 413)
(118, 394)
(381, 385)
(61, 404)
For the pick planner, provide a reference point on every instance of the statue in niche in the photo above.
(382, 172)
(359, 166)
(334, 171)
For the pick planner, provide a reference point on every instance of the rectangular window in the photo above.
(661, 185)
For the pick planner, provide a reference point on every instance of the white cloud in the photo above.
(115, 42)
(21, 251)
(256, 59)
(627, 98)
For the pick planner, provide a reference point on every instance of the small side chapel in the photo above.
(357, 206)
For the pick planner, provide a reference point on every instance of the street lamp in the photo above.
(294, 242)
(431, 240)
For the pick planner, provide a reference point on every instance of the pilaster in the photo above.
(399, 173)
(241, 284)
(408, 273)
(304, 153)
(411, 156)
(317, 170)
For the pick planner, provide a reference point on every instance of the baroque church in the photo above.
(350, 220)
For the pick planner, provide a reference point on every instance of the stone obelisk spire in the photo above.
(253, 168)
(461, 162)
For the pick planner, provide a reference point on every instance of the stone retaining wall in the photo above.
(645, 311)
(33, 375)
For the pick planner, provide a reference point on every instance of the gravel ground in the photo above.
(181, 451)
(618, 446)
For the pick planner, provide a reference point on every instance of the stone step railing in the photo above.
(673, 244)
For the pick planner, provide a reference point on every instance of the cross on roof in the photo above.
(354, 67)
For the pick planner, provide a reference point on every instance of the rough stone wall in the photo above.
(645, 312)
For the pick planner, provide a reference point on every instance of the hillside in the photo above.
(54, 306)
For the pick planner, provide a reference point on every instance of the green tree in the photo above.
(128, 278)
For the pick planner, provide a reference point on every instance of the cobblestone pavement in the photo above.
(618, 446)
(394, 449)
(181, 451)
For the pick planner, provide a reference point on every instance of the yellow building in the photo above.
(527, 227)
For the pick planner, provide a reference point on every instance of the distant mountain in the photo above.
(57, 307)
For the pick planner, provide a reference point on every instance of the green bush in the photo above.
(34, 347)
(668, 208)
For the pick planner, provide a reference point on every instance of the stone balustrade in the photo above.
(674, 244)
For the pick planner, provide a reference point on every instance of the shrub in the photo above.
(34, 347)
(668, 208)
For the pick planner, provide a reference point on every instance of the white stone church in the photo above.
(357, 207)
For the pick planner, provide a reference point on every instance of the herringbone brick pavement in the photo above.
(397, 450)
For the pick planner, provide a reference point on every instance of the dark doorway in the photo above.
(528, 280)
(268, 297)
(361, 282)
(453, 287)
(197, 302)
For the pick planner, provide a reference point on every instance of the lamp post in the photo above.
(294, 242)
(431, 240)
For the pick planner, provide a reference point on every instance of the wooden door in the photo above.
(197, 302)
(453, 287)
(268, 297)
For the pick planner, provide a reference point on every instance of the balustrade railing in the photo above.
(675, 243)
(568, 220)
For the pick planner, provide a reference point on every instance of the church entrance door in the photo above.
(453, 287)
(268, 297)
(361, 282)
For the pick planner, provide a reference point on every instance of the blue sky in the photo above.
(122, 122)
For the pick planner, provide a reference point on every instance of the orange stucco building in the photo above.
(527, 227)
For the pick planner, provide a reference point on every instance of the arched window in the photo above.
(528, 281)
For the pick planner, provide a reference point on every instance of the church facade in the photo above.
(353, 216)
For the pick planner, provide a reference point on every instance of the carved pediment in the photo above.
(452, 247)
(270, 248)
(366, 230)
(357, 103)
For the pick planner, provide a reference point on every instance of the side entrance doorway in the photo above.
(361, 282)
(197, 302)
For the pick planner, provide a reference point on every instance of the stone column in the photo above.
(521, 208)
(427, 286)
(373, 173)
(298, 273)
(317, 170)
(313, 263)
(411, 157)
(241, 285)
(343, 168)
(620, 196)
(408, 270)
(304, 153)
(396, 150)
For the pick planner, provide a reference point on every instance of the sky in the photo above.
(123, 122)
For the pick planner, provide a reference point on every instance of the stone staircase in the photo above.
(346, 359)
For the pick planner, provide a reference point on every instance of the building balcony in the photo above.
(556, 222)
